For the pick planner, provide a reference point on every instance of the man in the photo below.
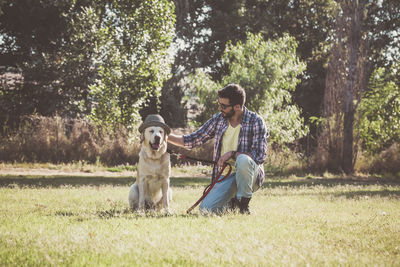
(240, 136)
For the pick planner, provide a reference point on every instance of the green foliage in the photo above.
(207, 26)
(135, 61)
(268, 71)
(380, 107)
(102, 58)
(200, 88)
(55, 59)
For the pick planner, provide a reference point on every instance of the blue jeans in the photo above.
(240, 184)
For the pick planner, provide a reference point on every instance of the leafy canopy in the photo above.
(268, 71)
(135, 60)
(380, 107)
(79, 58)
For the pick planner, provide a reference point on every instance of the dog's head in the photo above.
(154, 138)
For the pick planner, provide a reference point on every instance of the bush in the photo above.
(59, 140)
(388, 160)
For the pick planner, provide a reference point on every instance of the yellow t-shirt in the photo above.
(230, 141)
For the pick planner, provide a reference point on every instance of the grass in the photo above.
(85, 221)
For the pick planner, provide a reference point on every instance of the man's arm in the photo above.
(197, 138)
(176, 139)
(260, 138)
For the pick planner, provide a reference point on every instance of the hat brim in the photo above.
(143, 126)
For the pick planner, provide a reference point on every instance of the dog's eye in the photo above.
(151, 131)
(161, 131)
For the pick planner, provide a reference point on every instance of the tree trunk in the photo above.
(348, 123)
(352, 84)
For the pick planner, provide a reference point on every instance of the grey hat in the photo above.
(154, 120)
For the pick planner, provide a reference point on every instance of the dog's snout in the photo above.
(157, 138)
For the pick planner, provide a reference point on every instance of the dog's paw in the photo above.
(141, 212)
(142, 206)
(168, 212)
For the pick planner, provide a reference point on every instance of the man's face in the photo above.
(225, 107)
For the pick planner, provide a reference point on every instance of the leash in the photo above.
(210, 186)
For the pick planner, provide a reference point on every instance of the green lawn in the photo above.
(85, 221)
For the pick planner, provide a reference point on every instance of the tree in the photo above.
(355, 37)
(380, 107)
(344, 84)
(268, 71)
(55, 67)
(205, 27)
(102, 58)
(135, 59)
(190, 35)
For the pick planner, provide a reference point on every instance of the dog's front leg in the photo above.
(165, 197)
(142, 194)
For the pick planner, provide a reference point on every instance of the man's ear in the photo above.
(237, 107)
(142, 137)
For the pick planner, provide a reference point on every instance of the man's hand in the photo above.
(176, 139)
(225, 157)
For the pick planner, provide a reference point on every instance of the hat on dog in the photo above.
(154, 120)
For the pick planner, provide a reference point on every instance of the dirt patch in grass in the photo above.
(21, 171)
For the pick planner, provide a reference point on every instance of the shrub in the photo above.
(60, 140)
(388, 160)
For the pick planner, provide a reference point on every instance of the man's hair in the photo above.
(235, 93)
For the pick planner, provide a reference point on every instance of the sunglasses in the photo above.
(223, 106)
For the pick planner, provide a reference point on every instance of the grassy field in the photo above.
(62, 220)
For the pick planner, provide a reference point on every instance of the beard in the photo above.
(228, 115)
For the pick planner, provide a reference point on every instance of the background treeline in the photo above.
(77, 76)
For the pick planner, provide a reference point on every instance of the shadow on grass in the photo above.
(368, 194)
(34, 181)
(329, 182)
(119, 212)
(357, 193)
(76, 181)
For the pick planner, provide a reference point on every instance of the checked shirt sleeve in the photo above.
(202, 135)
(260, 138)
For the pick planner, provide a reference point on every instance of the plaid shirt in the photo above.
(252, 139)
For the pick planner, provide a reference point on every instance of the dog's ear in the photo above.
(165, 136)
(142, 137)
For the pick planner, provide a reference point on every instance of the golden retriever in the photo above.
(151, 189)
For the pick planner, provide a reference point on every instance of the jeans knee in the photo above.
(245, 175)
(243, 161)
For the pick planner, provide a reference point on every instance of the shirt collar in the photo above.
(246, 115)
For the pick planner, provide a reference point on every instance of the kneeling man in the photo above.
(240, 138)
